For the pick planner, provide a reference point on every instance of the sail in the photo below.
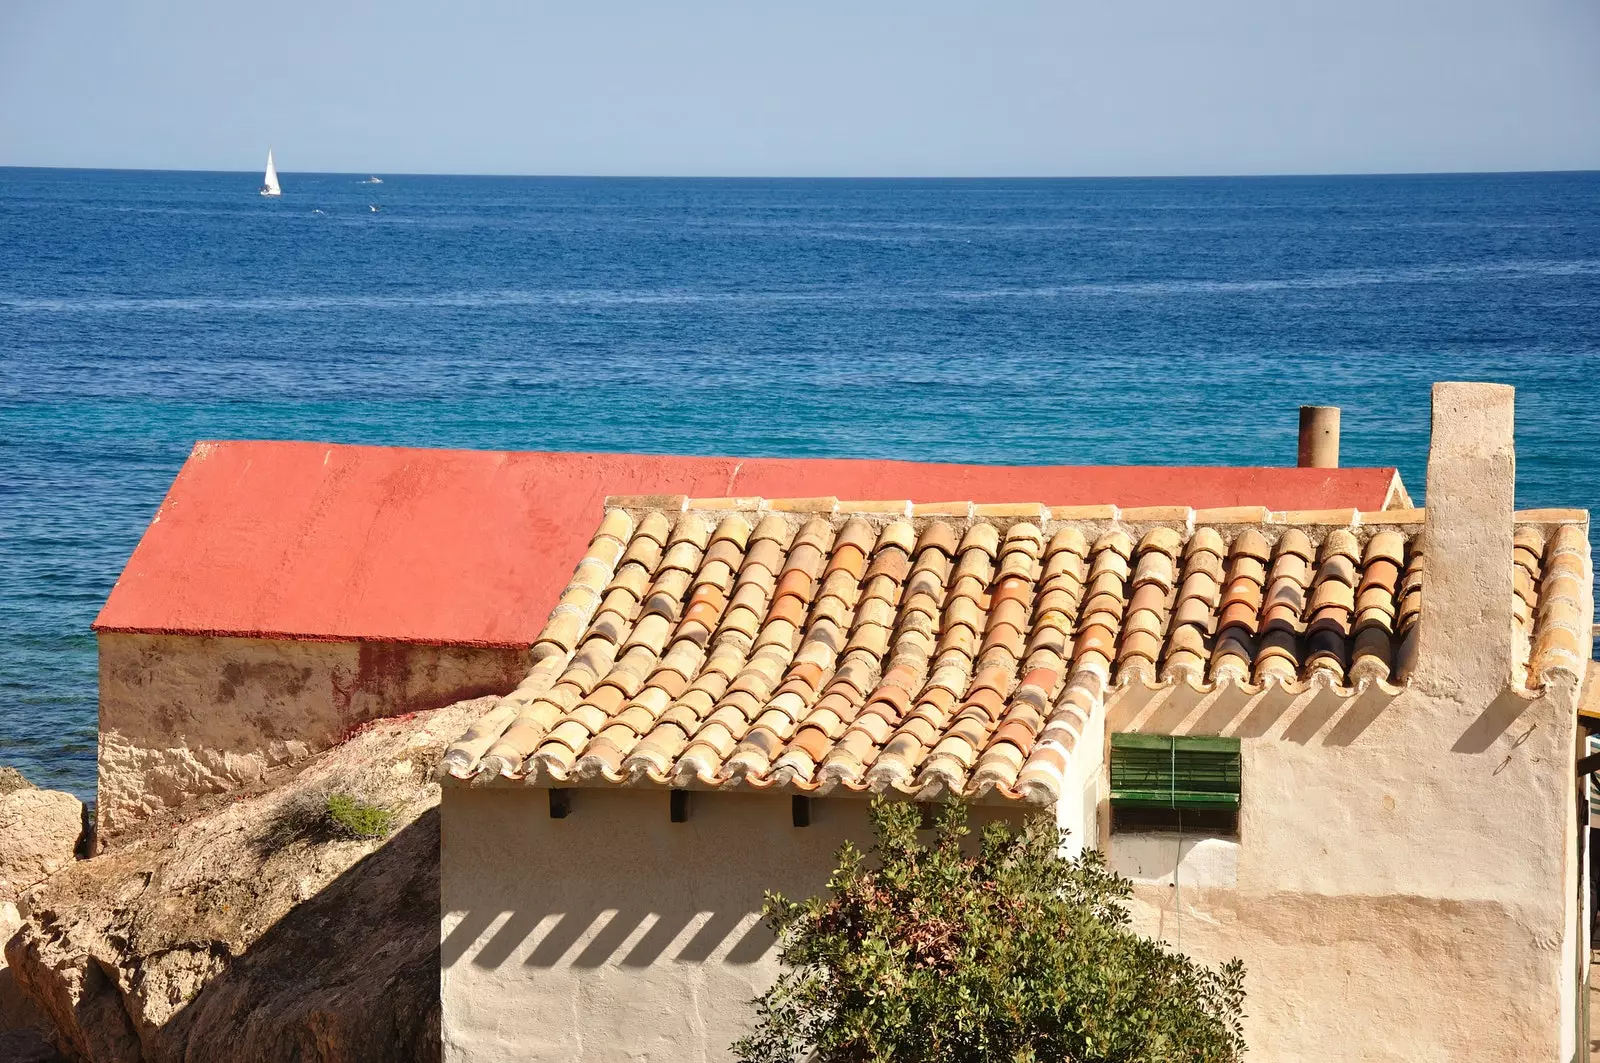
(269, 184)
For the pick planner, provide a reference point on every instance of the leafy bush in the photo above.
(324, 817)
(1013, 954)
(354, 818)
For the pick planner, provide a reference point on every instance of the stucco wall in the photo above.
(1083, 790)
(1402, 878)
(184, 715)
(615, 934)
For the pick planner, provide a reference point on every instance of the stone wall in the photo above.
(184, 715)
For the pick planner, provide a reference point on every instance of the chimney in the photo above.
(1319, 437)
(1465, 635)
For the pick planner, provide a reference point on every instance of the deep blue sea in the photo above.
(1078, 321)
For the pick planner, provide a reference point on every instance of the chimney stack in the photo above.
(1319, 437)
(1465, 637)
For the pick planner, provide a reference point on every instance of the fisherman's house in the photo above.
(1320, 730)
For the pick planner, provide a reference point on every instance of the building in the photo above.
(287, 592)
(1335, 743)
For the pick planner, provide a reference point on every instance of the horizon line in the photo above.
(834, 177)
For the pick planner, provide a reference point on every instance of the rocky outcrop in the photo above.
(17, 1009)
(39, 831)
(12, 779)
(255, 929)
(28, 1046)
(24, 1029)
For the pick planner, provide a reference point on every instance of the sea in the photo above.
(1164, 321)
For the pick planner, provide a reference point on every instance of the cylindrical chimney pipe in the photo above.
(1319, 437)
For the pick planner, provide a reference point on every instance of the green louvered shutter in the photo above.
(1174, 771)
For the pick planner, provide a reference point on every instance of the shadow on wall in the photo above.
(618, 930)
(604, 928)
(1501, 715)
(617, 884)
(1316, 715)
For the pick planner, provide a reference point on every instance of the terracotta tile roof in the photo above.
(809, 644)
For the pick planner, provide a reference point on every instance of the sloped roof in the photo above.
(324, 541)
(809, 644)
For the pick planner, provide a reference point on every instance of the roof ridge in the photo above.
(832, 506)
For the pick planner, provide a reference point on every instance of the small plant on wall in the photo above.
(933, 954)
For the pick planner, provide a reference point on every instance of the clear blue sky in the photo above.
(857, 87)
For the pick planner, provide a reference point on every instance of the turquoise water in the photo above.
(1150, 321)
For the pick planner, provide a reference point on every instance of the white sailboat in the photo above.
(269, 183)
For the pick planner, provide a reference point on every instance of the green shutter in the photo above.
(1174, 771)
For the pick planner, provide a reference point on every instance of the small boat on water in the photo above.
(269, 183)
(373, 181)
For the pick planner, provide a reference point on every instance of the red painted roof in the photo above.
(319, 540)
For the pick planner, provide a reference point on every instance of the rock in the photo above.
(28, 1046)
(39, 831)
(17, 1010)
(23, 1027)
(250, 931)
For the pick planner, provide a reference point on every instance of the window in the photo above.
(1174, 783)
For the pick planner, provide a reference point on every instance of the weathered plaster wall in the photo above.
(185, 715)
(615, 934)
(1403, 889)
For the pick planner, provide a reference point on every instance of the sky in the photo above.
(823, 88)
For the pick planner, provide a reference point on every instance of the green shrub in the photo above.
(319, 817)
(351, 817)
(1011, 954)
